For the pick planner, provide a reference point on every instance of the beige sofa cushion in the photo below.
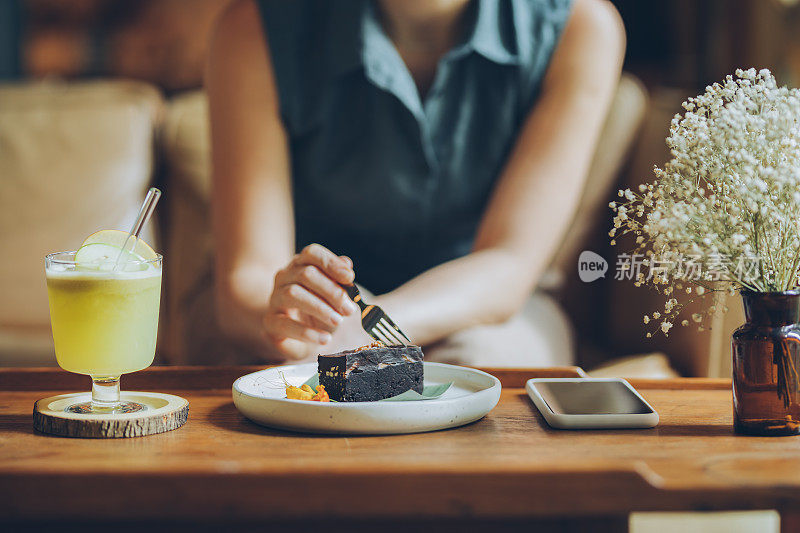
(187, 151)
(74, 158)
(186, 142)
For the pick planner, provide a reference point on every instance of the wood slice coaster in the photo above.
(164, 412)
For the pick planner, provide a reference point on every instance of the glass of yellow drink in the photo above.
(104, 321)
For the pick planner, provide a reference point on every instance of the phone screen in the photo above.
(591, 398)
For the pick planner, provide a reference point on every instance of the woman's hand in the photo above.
(308, 303)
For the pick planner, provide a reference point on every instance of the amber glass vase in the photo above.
(766, 359)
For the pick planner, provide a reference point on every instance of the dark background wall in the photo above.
(11, 23)
(678, 43)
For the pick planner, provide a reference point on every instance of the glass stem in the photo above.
(105, 392)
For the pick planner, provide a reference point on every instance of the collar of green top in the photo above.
(493, 35)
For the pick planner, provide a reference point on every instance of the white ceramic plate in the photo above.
(261, 397)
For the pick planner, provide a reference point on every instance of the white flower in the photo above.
(728, 197)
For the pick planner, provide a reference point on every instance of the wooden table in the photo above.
(507, 469)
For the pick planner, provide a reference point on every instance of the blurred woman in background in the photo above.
(431, 150)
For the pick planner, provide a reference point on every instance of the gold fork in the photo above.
(376, 323)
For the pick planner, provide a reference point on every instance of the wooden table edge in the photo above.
(164, 378)
(254, 496)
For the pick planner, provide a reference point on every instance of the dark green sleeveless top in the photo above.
(398, 183)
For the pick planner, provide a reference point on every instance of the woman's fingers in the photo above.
(279, 326)
(329, 263)
(306, 271)
(293, 348)
(312, 278)
(295, 296)
(313, 322)
(308, 301)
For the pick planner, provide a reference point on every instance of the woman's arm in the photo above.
(284, 305)
(536, 195)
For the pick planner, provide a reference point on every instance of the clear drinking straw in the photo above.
(145, 213)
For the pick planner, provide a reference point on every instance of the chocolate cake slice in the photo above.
(371, 373)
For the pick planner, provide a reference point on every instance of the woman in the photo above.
(431, 150)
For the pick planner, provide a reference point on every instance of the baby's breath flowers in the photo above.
(724, 212)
